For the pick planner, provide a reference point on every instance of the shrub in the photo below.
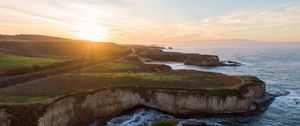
(165, 122)
(36, 67)
(16, 71)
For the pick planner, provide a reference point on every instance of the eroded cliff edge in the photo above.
(249, 97)
(155, 53)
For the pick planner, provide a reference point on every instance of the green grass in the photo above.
(122, 66)
(140, 75)
(11, 98)
(165, 122)
(14, 61)
(117, 74)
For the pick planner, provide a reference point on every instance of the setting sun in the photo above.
(92, 32)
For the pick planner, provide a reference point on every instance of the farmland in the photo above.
(14, 61)
(115, 74)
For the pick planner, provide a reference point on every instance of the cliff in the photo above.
(202, 60)
(157, 54)
(186, 58)
(86, 106)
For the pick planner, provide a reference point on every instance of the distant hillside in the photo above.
(47, 46)
(31, 37)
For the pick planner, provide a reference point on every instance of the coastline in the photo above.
(264, 102)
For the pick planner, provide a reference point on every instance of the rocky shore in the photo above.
(153, 53)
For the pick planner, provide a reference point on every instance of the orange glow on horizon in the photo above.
(92, 32)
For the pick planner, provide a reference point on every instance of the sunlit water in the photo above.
(277, 64)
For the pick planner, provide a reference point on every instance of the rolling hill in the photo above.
(46, 46)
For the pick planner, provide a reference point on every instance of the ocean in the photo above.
(278, 64)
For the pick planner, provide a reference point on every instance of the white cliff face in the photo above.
(59, 113)
(4, 118)
(111, 102)
(102, 103)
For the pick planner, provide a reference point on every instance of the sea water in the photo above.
(277, 64)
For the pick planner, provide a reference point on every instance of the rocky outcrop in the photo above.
(4, 118)
(110, 102)
(180, 102)
(186, 58)
(202, 60)
(83, 107)
(21, 114)
(229, 63)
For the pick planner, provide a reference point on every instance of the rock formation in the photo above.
(4, 118)
(196, 59)
(83, 107)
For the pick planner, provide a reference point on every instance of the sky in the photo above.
(154, 21)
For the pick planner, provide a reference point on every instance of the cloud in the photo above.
(148, 21)
(257, 24)
(261, 24)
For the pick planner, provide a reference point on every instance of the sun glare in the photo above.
(92, 32)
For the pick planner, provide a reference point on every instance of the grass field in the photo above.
(115, 74)
(11, 98)
(14, 61)
(165, 122)
(124, 66)
(140, 75)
